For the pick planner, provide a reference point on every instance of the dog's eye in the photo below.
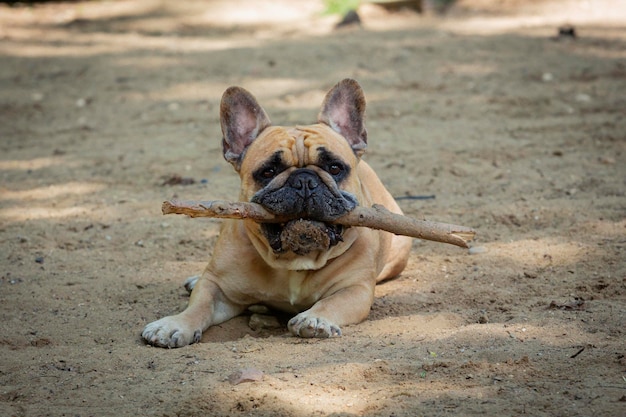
(264, 174)
(335, 169)
(268, 173)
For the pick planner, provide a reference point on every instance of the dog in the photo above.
(314, 173)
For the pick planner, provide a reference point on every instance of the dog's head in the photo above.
(300, 172)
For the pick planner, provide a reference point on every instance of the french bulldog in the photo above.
(314, 173)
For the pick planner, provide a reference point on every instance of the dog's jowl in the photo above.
(313, 173)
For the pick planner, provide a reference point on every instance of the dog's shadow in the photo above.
(241, 326)
(244, 324)
(274, 322)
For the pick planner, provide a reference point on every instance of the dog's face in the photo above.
(301, 172)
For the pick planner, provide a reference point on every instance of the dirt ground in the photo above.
(516, 132)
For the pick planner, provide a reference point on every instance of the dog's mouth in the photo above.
(302, 236)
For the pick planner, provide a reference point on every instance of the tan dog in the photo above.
(309, 172)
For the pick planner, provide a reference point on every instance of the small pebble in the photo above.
(245, 375)
(483, 318)
(583, 98)
(263, 321)
(351, 18)
(474, 250)
(547, 77)
(567, 31)
(606, 160)
(39, 259)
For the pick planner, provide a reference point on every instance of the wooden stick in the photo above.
(376, 217)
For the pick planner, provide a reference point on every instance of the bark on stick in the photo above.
(376, 217)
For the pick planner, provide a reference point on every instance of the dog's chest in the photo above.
(295, 286)
(293, 291)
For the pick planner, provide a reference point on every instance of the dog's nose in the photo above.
(304, 180)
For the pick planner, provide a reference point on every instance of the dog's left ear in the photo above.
(242, 120)
(343, 110)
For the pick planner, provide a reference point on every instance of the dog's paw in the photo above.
(304, 325)
(191, 282)
(171, 332)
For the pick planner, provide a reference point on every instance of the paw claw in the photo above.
(304, 326)
(170, 332)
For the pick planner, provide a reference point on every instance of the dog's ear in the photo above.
(242, 120)
(343, 110)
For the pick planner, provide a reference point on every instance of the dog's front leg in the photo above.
(347, 306)
(207, 306)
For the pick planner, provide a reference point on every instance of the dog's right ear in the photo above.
(242, 120)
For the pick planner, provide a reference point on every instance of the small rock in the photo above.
(475, 250)
(567, 31)
(245, 375)
(547, 77)
(37, 97)
(173, 106)
(482, 318)
(578, 304)
(606, 160)
(176, 179)
(351, 18)
(263, 321)
(583, 98)
(39, 259)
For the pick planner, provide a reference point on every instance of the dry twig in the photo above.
(376, 217)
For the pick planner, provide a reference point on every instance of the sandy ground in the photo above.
(517, 133)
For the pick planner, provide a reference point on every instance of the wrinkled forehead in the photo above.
(299, 146)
